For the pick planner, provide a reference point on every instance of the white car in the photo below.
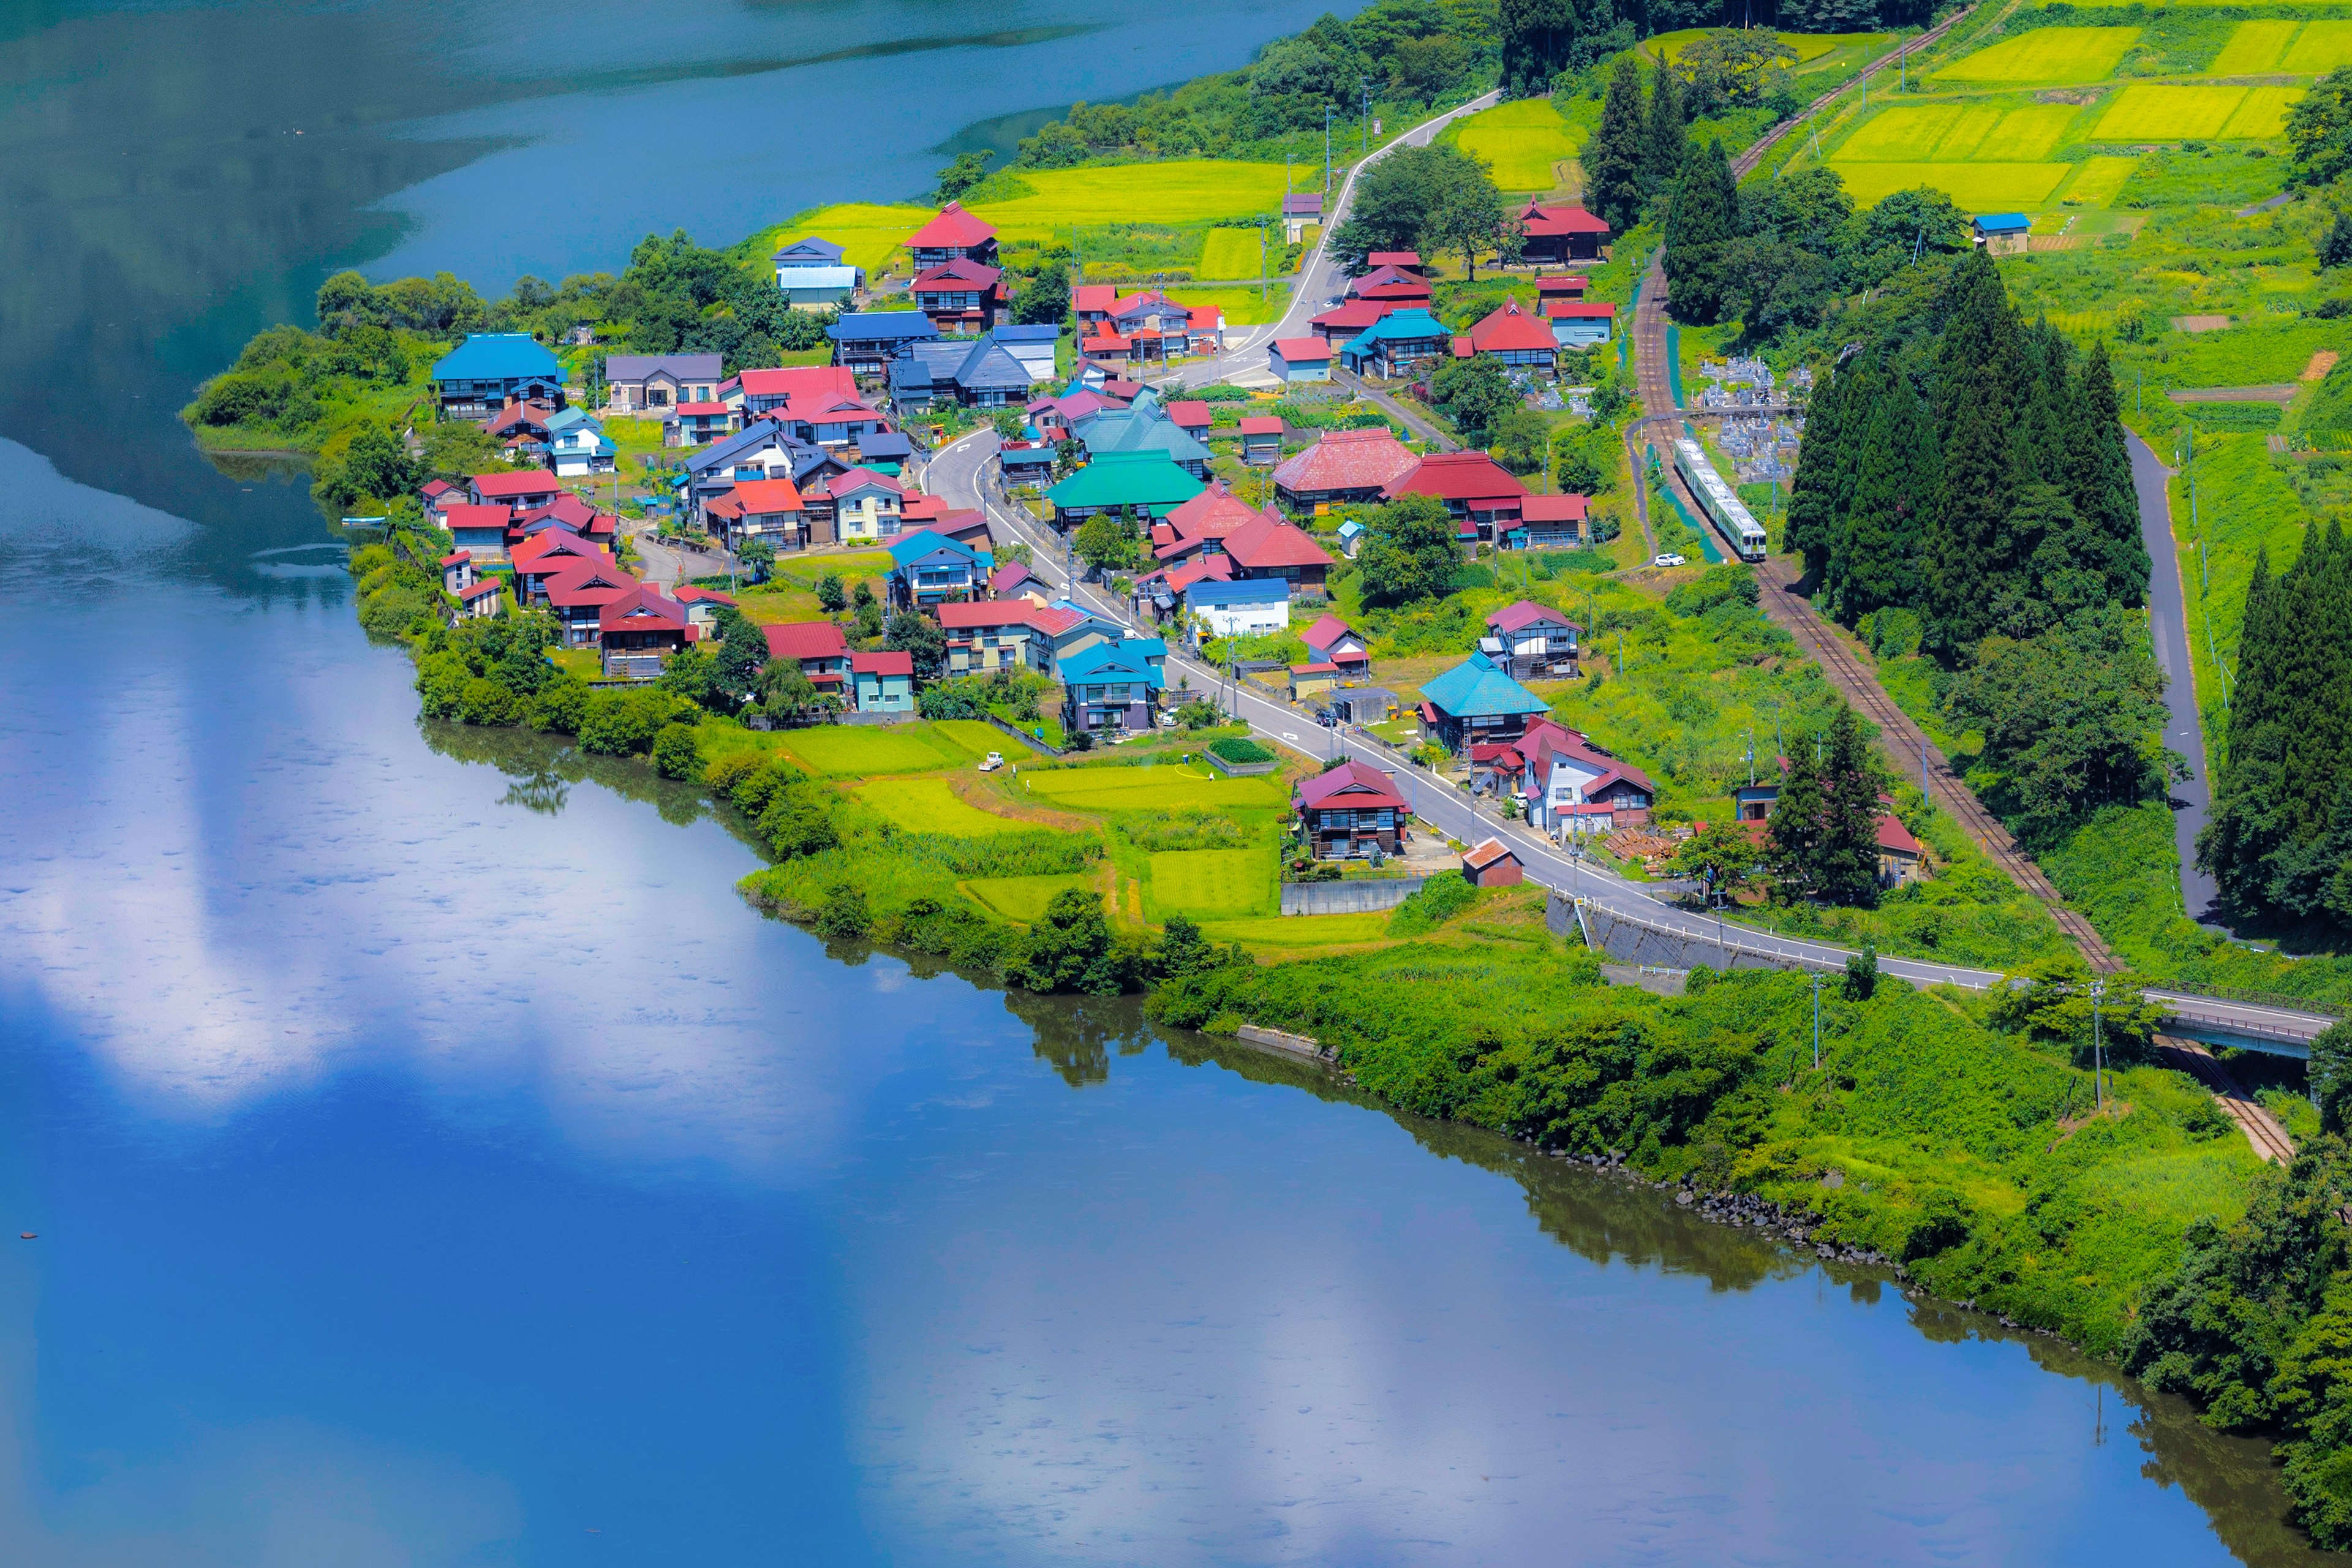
(1667, 561)
(994, 761)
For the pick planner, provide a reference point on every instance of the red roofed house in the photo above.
(697, 424)
(1474, 488)
(820, 650)
(1299, 359)
(1002, 634)
(1343, 466)
(1267, 547)
(960, 297)
(766, 509)
(1566, 286)
(1140, 327)
(885, 681)
(437, 494)
(953, 234)
(1568, 784)
(1261, 437)
(1578, 325)
(479, 530)
(1090, 304)
(1393, 286)
(758, 390)
(578, 595)
(520, 430)
(1549, 522)
(1345, 321)
(702, 606)
(638, 631)
(482, 599)
(457, 571)
(1492, 864)
(1334, 642)
(523, 489)
(541, 560)
(1192, 416)
(1403, 260)
(1312, 680)
(1512, 336)
(1535, 639)
(1207, 327)
(1350, 810)
(1559, 234)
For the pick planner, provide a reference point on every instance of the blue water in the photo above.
(433, 1161)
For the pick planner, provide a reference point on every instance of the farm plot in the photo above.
(929, 805)
(2322, 46)
(1230, 253)
(2047, 57)
(1211, 881)
(1203, 191)
(1978, 187)
(1145, 789)
(845, 751)
(2099, 180)
(2253, 48)
(1958, 134)
(1244, 307)
(2153, 112)
(1294, 934)
(1523, 142)
(1022, 899)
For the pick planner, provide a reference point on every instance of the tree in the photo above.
(1615, 158)
(829, 595)
(1104, 541)
(1704, 220)
(1728, 67)
(675, 753)
(2336, 245)
(2330, 1075)
(759, 556)
(968, 170)
(1183, 950)
(1845, 858)
(1792, 833)
(1520, 438)
(1475, 393)
(913, 632)
(1009, 423)
(1876, 561)
(1721, 854)
(785, 691)
(1663, 145)
(2320, 130)
(1469, 220)
(1862, 974)
(377, 465)
(742, 655)
(1411, 553)
(2095, 473)
(1980, 368)
(1044, 298)
(1068, 948)
(1396, 197)
(1536, 36)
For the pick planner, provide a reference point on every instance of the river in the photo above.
(432, 1162)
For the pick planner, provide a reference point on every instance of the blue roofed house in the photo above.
(867, 341)
(489, 370)
(2002, 234)
(1476, 703)
(814, 273)
(1032, 345)
(1392, 345)
(983, 374)
(1238, 607)
(927, 569)
(1113, 687)
(577, 445)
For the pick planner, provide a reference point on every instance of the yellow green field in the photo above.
(1958, 132)
(2157, 113)
(2322, 46)
(2045, 57)
(2099, 180)
(1141, 789)
(1022, 899)
(1244, 307)
(2254, 48)
(1523, 142)
(1231, 253)
(929, 805)
(843, 750)
(1211, 881)
(1265, 933)
(1973, 187)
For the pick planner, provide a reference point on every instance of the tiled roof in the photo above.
(457, 558)
(962, 272)
(1326, 632)
(952, 228)
(1346, 461)
(496, 356)
(1487, 853)
(1354, 316)
(1574, 310)
(685, 367)
(487, 586)
(795, 381)
(1395, 259)
(1094, 296)
(1456, 476)
(1362, 785)
(687, 593)
(1535, 219)
(1508, 329)
(1265, 544)
(806, 640)
(645, 610)
(1262, 424)
(1191, 415)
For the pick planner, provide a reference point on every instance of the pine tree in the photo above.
(1612, 158)
(2098, 480)
(1980, 367)
(1792, 834)
(2248, 823)
(1662, 142)
(1703, 219)
(1877, 561)
(1846, 856)
(1826, 467)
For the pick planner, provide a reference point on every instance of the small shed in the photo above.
(2002, 234)
(1294, 360)
(1262, 438)
(1492, 864)
(1312, 680)
(1365, 704)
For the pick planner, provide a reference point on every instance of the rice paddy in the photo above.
(1244, 307)
(2158, 113)
(843, 750)
(2047, 57)
(1959, 132)
(1211, 881)
(1022, 899)
(1230, 253)
(930, 806)
(2253, 48)
(1973, 187)
(2322, 46)
(1143, 789)
(2099, 180)
(1523, 142)
(1296, 933)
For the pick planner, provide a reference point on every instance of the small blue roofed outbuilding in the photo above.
(2001, 233)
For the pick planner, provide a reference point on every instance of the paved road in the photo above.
(2167, 622)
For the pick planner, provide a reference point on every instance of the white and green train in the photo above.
(1719, 501)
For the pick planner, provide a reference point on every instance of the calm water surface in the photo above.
(434, 1164)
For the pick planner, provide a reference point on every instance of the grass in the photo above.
(1523, 142)
(1243, 307)
(931, 805)
(1021, 899)
(1298, 933)
(842, 751)
(2047, 57)
(1145, 789)
(1211, 881)
(2162, 113)
(1809, 46)
(2098, 182)
(1974, 187)
(1229, 253)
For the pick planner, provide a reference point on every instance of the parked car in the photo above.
(994, 761)
(1664, 560)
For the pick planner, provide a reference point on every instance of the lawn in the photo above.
(2045, 57)
(848, 751)
(1230, 253)
(930, 806)
(1523, 142)
(1211, 881)
(1022, 899)
(2155, 112)
(1974, 187)
(1296, 933)
(1144, 789)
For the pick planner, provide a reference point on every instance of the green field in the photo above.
(1958, 133)
(2322, 46)
(1211, 881)
(1523, 142)
(1022, 899)
(1975, 187)
(2157, 113)
(2045, 57)
(929, 805)
(1231, 253)
(845, 751)
(1243, 307)
(2255, 48)
(1810, 47)
(1145, 789)
(1277, 934)
(2099, 180)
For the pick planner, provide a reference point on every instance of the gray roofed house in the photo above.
(867, 341)
(981, 374)
(659, 381)
(810, 252)
(1032, 345)
(813, 272)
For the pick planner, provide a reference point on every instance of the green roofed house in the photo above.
(1142, 426)
(1150, 483)
(490, 370)
(1476, 703)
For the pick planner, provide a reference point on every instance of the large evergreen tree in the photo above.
(1612, 159)
(1537, 37)
(1703, 219)
(1879, 549)
(1826, 467)
(1663, 144)
(1846, 854)
(1792, 835)
(2097, 478)
(1979, 369)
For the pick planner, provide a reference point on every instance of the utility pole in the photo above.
(1926, 796)
(1264, 287)
(1817, 1022)
(1751, 756)
(1368, 119)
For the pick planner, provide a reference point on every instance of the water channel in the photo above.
(432, 1162)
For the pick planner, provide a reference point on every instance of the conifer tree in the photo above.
(1877, 558)
(1703, 219)
(2097, 478)
(1845, 855)
(1980, 366)
(1663, 141)
(1825, 465)
(1792, 835)
(1612, 158)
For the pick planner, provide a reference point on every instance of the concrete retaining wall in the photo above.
(1628, 942)
(1347, 898)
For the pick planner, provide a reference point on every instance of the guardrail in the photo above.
(2255, 998)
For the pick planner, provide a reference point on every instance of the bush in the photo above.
(623, 723)
(1240, 750)
(676, 752)
(1438, 901)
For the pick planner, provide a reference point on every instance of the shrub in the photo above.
(676, 752)
(1240, 750)
(623, 723)
(1438, 901)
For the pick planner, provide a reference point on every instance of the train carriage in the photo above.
(1719, 501)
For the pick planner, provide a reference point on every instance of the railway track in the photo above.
(2260, 1128)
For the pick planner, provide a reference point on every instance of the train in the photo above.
(1719, 501)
